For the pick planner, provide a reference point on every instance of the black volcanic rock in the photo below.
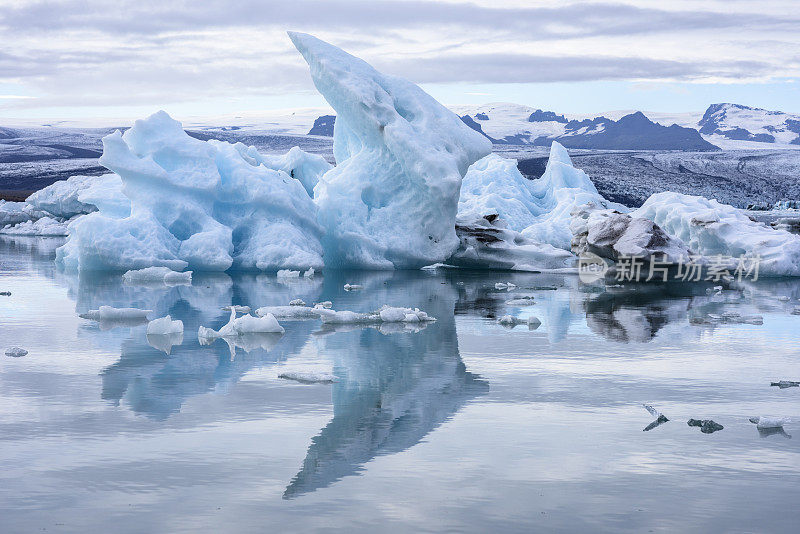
(635, 132)
(546, 116)
(469, 121)
(323, 126)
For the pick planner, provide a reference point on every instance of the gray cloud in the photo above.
(155, 52)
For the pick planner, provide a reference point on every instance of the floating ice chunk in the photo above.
(107, 313)
(505, 286)
(297, 302)
(164, 275)
(710, 228)
(521, 301)
(783, 384)
(206, 335)
(289, 312)
(165, 325)
(60, 199)
(352, 287)
(43, 227)
(707, 426)
(324, 304)
(509, 321)
(391, 200)
(728, 318)
(783, 298)
(248, 324)
(194, 204)
(386, 314)
(796, 310)
(16, 352)
(287, 273)
(659, 417)
(237, 308)
(765, 421)
(309, 273)
(309, 377)
(5, 293)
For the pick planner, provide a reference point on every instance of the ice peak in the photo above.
(558, 154)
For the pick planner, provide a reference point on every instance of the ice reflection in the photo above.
(395, 386)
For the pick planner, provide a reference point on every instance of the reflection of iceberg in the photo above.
(393, 390)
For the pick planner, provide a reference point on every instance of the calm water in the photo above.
(462, 426)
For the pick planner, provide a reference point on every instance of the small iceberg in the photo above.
(309, 377)
(236, 326)
(707, 426)
(151, 275)
(783, 384)
(764, 421)
(164, 326)
(505, 286)
(16, 352)
(352, 287)
(293, 312)
(108, 313)
(660, 418)
(386, 314)
(509, 321)
(286, 273)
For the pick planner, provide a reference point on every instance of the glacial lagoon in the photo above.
(459, 425)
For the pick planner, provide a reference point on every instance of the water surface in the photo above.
(463, 425)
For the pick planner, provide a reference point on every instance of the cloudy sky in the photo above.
(90, 58)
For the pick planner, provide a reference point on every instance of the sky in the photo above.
(89, 58)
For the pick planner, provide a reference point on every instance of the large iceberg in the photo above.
(206, 205)
(710, 228)
(391, 201)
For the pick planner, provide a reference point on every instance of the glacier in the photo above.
(196, 204)
(392, 198)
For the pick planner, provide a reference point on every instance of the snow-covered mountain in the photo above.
(742, 123)
(726, 126)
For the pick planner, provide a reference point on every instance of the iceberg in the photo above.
(196, 204)
(16, 352)
(309, 377)
(710, 228)
(289, 312)
(765, 421)
(164, 275)
(164, 326)
(246, 324)
(308, 168)
(391, 201)
(61, 199)
(385, 314)
(108, 313)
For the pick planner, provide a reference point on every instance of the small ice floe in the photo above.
(386, 314)
(324, 304)
(509, 321)
(287, 273)
(157, 275)
(796, 310)
(717, 290)
(505, 286)
(550, 288)
(247, 324)
(237, 308)
(107, 313)
(352, 287)
(783, 298)
(707, 426)
(16, 352)
(521, 301)
(297, 302)
(309, 377)
(660, 418)
(728, 318)
(765, 421)
(5, 293)
(783, 384)
(164, 326)
(293, 311)
(309, 273)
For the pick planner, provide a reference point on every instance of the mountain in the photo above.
(743, 123)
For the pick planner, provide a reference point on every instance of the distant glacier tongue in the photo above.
(391, 200)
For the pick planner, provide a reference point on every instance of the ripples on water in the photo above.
(463, 425)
